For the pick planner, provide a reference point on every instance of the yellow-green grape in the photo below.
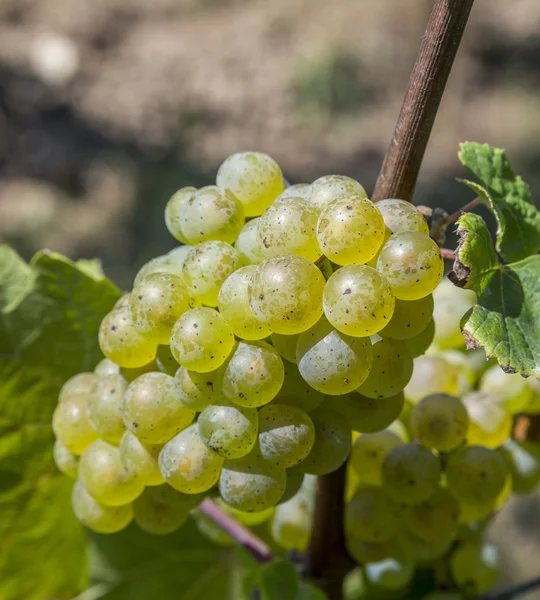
(399, 428)
(201, 340)
(285, 293)
(489, 424)
(467, 375)
(364, 552)
(434, 518)
(400, 216)
(522, 460)
(104, 368)
(157, 518)
(165, 494)
(157, 302)
(534, 403)
(510, 390)
(178, 254)
(418, 344)
(410, 473)
(211, 531)
(332, 442)
(295, 479)
(412, 263)
(253, 375)
(296, 392)
(358, 301)
(451, 303)
(254, 178)
(475, 475)
(229, 430)
(475, 567)
(419, 549)
(198, 390)
(350, 230)
(440, 421)
(233, 304)
(187, 464)
(286, 434)
(173, 210)
(206, 267)
(80, 384)
(285, 345)
(104, 476)
(390, 574)
(292, 520)
(131, 374)
(96, 516)
(409, 319)
(370, 515)
(248, 245)
(66, 461)
(152, 409)
(328, 188)
(302, 190)
(432, 375)
(249, 519)
(168, 263)
(105, 408)
(140, 460)
(368, 453)
(165, 361)
(391, 369)
(368, 415)
(71, 425)
(120, 341)
(289, 228)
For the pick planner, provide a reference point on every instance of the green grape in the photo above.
(368, 453)
(252, 484)
(157, 518)
(249, 519)
(165, 360)
(178, 254)
(358, 301)
(229, 430)
(440, 421)
(350, 230)
(302, 190)
(476, 567)
(131, 374)
(410, 473)
(400, 216)
(122, 302)
(522, 460)
(292, 521)
(332, 362)
(104, 408)
(368, 415)
(254, 178)
(295, 479)
(434, 518)
(173, 210)
(489, 424)
(157, 302)
(432, 375)
(330, 187)
(286, 434)
(391, 369)
(289, 228)
(285, 293)
(332, 442)
(510, 390)
(172, 264)
(71, 425)
(370, 515)
(364, 552)
(206, 267)
(198, 390)
(201, 340)
(451, 303)
(296, 392)
(66, 461)
(96, 516)
(120, 341)
(152, 409)
(418, 344)
(409, 319)
(467, 376)
(412, 264)
(104, 476)
(140, 460)
(104, 368)
(253, 375)
(390, 574)
(399, 428)
(475, 474)
(285, 345)
(534, 404)
(80, 384)
(165, 494)
(233, 304)
(421, 550)
(187, 464)
(211, 531)
(248, 245)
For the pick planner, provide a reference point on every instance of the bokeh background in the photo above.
(108, 106)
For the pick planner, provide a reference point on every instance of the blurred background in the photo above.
(108, 106)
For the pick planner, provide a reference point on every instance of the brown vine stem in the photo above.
(467, 208)
(448, 254)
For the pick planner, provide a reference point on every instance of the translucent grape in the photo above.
(451, 303)
(140, 460)
(467, 376)
(476, 567)
(440, 421)
(165, 361)
(350, 230)
(229, 430)
(80, 384)
(358, 301)
(418, 344)
(286, 292)
(434, 518)
(165, 494)
(292, 521)
(366, 552)
(65, 460)
(302, 190)
(152, 409)
(285, 345)
(390, 574)
(510, 390)
(368, 453)
(489, 424)
(421, 550)
(253, 375)
(173, 210)
(367, 415)
(412, 264)
(409, 319)
(400, 216)
(233, 303)
(157, 518)
(410, 473)
(248, 245)
(104, 368)
(296, 392)
(295, 479)
(249, 519)
(105, 408)
(96, 516)
(198, 390)
(201, 340)
(522, 460)
(206, 267)
(370, 515)
(328, 188)
(71, 425)
(432, 375)
(187, 464)
(179, 254)
(168, 263)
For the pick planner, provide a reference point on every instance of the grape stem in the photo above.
(513, 592)
(448, 254)
(467, 208)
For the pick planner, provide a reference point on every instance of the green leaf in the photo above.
(279, 580)
(306, 591)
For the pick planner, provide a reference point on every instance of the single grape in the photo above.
(105, 408)
(399, 428)
(432, 375)
(131, 374)
(412, 264)
(328, 188)
(295, 479)
(140, 460)
(350, 230)
(292, 521)
(419, 549)
(370, 515)
(104, 368)
(71, 425)
(467, 375)
(302, 190)
(534, 404)
(358, 301)
(285, 345)
(249, 519)
(248, 245)
(434, 518)
(198, 390)
(165, 494)
(157, 518)
(66, 461)
(451, 303)
(80, 384)
(409, 319)
(173, 211)
(366, 552)
(489, 424)
(522, 460)
(368, 453)
(285, 293)
(368, 415)
(296, 392)
(476, 567)
(400, 216)
(165, 361)
(418, 344)
(168, 263)
(152, 409)
(390, 574)
(510, 390)
(201, 340)
(179, 254)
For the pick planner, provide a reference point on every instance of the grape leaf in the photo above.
(279, 580)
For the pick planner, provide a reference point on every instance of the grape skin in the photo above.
(489, 424)
(368, 415)
(476, 567)
(435, 518)
(422, 550)
(295, 479)
(167, 263)
(140, 460)
(390, 574)
(366, 552)
(165, 360)
(66, 461)
(248, 245)
(328, 188)
(418, 344)
(510, 390)
(82, 383)
(368, 453)
(296, 392)
(370, 515)
(432, 375)
(292, 521)
(198, 390)
(400, 216)
(104, 408)
(104, 368)
(409, 319)
(71, 425)
(523, 462)
(451, 303)
(285, 345)
(157, 518)
(173, 211)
